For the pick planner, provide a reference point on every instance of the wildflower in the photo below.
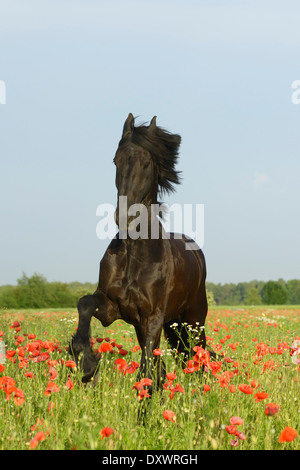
(287, 435)
(121, 365)
(69, 384)
(146, 381)
(190, 367)
(19, 397)
(123, 352)
(38, 423)
(177, 388)
(271, 409)
(215, 367)
(71, 364)
(20, 339)
(157, 352)
(246, 389)
(231, 429)
(236, 421)
(171, 376)
(105, 347)
(169, 415)
(206, 388)
(240, 435)
(7, 384)
(53, 373)
(131, 368)
(42, 357)
(51, 387)
(260, 396)
(143, 394)
(106, 432)
(39, 437)
(234, 442)
(31, 336)
(137, 386)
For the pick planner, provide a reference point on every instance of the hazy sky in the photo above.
(219, 73)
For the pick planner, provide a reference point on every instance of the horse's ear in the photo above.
(128, 125)
(152, 125)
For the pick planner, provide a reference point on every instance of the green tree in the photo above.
(274, 293)
(253, 296)
(293, 289)
(36, 292)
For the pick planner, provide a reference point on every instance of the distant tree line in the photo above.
(37, 292)
(256, 293)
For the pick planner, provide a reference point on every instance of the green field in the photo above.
(44, 406)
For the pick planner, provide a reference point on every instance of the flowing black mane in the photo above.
(164, 149)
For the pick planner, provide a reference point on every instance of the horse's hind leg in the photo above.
(188, 331)
(149, 334)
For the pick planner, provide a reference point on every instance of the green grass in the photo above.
(77, 416)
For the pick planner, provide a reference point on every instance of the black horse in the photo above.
(149, 282)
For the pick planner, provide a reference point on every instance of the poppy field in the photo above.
(248, 398)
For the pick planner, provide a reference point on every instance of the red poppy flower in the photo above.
(121, 365)
(106, 432)
(42, 357)
(231, 429)
(245, 388)
(171, 376)
(137, 386)
(146, 381)
(169, 415)
(19, 397)
(143, 394)
(157, 352)
(39, 437)
(234, 442)
(236, 421)
(254, 383)
(70, 363)
(53, 373)
(287, 435)
(123, 352)
(10, 354)
(215, 366)
(31, 336)
(206, 388)
(271, 409)
(51, 387)
(105, 347)
(260, 396)
(132, 367)
(69, 384)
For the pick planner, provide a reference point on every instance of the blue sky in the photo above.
(219, 73)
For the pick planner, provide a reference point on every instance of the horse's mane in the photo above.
(164, 149)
